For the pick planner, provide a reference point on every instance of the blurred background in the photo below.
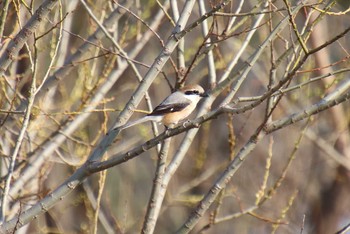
(296, 180)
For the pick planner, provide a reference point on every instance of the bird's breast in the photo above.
(175, 117)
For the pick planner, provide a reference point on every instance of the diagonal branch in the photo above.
(57, 138)
(17, 43)
(232, 168)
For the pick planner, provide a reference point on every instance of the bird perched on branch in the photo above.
(177, 106)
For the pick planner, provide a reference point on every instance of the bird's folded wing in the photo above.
(169, 108)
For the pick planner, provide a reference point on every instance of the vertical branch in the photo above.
(67, 25)
(178, 157)
(131, 63)
(151, 74)
(70, 127)
(101, 184)
(186, 142)
(181, 46)
(210, 58)
(14, 154)
(292, 156)
(80, 174)
(273, 70)
(326, 219)
(242, 74)
(108, 226)
(62, 73)
(157, 194)
(4, 6)
(97, 73)
(32, 92)
(295, 29)
(261, 193)
(243, 47)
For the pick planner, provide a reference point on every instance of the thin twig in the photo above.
(141, 20)
(236, 14)
(68, 127)
(93, 167)
(292, 88)
(96, 155)
(295, 29)
(32, 93)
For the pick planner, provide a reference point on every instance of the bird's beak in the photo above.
(204, 95)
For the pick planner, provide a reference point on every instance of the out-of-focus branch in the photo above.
(123, 53)
(329, 150)
(240, 76)
(324, 104)
(101, 182)
(4, 197)
(97, 154)
(108, 227)
(177, 159)
(329, 101)
(190, 27)
(295, 87)
(141, 21)
(246, 149)
(221, 182)
(62, 73)
(32, 95)
(151, 74)
(231, 216)
(56, 140)
(93, 167)
(292, 72)
(17, 43)
(4, 6)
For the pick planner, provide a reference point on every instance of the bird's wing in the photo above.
(171, 104)
(165, 109)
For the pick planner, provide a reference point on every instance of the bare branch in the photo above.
(17, 43)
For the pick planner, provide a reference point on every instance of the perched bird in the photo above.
(177, 106)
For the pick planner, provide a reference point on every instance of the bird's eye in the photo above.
(191, 92)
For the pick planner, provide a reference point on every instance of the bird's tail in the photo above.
(142, 120)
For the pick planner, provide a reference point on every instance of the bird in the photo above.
(174, 108)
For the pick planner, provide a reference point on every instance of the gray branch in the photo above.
(17, 43)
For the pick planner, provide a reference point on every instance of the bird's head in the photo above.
(194, 91)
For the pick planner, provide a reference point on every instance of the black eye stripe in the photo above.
(191, 92)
